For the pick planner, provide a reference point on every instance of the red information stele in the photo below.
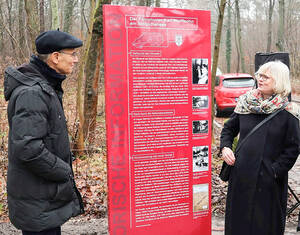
(158, 98)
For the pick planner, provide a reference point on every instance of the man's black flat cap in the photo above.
(55, 40)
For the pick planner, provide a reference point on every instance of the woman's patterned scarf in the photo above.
(253, 102)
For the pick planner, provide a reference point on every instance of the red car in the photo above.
(228, 88)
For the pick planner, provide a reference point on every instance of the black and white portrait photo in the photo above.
(200, 71)
(200, 127)
(200, 102)
(200, 158)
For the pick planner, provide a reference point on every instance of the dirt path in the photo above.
(76, 226)
(99, 227)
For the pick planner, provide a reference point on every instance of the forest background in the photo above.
(239, 29)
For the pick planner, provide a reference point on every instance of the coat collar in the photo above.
(14, 78)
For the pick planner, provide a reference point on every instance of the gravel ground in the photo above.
(76, 226)
(218, 227)
(99, 227)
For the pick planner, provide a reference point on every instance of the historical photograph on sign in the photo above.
(200, 71)
(200, 158)
(200, 102)
(200, 197)
(200, 127)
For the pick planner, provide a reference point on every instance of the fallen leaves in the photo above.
(91, 181)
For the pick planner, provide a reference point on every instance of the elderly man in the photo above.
(41, 190)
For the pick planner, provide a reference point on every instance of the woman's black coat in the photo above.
(257, 190)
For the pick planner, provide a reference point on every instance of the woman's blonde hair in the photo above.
(281, 74)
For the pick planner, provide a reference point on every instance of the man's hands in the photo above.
(228, 156)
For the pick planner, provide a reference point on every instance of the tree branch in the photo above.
(13, 38)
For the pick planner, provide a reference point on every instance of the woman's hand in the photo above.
(228, 156)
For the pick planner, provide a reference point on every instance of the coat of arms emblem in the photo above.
(178, 40)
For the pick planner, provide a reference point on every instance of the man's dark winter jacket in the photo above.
(41, 189)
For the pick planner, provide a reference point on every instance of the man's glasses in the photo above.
(73, 54)
(262, 77)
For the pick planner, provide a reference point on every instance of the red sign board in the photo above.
(157, 78)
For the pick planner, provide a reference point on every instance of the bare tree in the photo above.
(144, 2)
(42, 16)
(2, 28)
(82, 17)
(228, 38)
(68, 15)
(54, 14)
(157, 3)
(9, 6)
(92, 72)
(292, 36)
(270, 15)
(216, 51)
(31, 7)
(280, 34)
(21, 30)
(61, 11)
(79, 145)
(239, 37)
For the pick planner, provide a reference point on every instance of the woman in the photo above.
(257, 189)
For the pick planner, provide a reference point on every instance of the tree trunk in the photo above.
(2, 28)
(238, 60)
(61, 12)
(145, 3)
(54, 13)
(82, 17)
(10, 23)
(79, 145)
(216, 55)
(280, 37)
(157, 3)
(31, 7)
(22, 53)
(92, 71)
(42, 16)
(239, 35)
(228, 38)
(50, 14)
(270, 15)
(68, 15)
